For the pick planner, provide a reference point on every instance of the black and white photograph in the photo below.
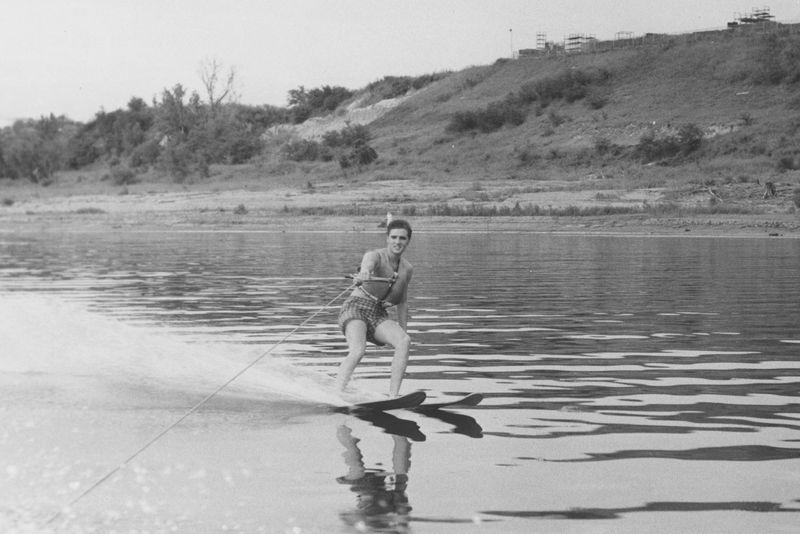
(407, 267)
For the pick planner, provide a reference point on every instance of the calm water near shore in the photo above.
(633, 384)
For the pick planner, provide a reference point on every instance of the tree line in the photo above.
(178, 133)
(182, 134)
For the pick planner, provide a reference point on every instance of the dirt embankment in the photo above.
(249, 207)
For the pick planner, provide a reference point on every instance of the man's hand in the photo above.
(359, 278)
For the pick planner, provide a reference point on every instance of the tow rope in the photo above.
(189, 412)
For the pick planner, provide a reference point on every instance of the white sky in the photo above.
(75, 57)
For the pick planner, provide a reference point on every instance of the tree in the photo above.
(176, 118)
(303, 104)
(177, 122)
(298, 97)
(216, 90)
(35, 149)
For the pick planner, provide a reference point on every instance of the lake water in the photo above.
(632, 384)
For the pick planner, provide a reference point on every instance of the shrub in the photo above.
(81, 150)
(690, 137)
(177, 160)
(259, 118)
(349, 146)
(145, 154)
(596, 99)
(571, 85)
(242, 148)
(304, 104)
(651, 148)
(301, 150)
(123, 176)
(348, 136)
(491, 118)
(463, 121)
(602, 145)
(395, 86)
(796, 196)
(361, 154)
(528, 156)
(789, 163)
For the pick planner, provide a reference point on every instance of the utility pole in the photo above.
(511, 40)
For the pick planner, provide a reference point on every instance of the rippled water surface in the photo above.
(631, 384)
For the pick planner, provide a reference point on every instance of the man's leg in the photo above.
(356, 334)
(392, 333)
(352, 456)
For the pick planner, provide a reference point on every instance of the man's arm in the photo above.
(368, 264)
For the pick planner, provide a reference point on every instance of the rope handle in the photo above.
(359, 281)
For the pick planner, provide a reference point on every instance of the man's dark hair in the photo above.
(399, 223)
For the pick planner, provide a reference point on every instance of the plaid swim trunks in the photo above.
(371, 312)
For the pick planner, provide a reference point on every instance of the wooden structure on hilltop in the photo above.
(757, 15)
(543, 47)
(759, 19)
(579, 42)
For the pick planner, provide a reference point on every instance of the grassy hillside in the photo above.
(700, 121)
(719, 83)
(715, 84)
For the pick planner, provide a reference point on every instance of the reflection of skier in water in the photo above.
(382, 500)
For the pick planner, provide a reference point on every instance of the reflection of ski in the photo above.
(473, 399)
(392, 425)
(462, 424)
(406, 401)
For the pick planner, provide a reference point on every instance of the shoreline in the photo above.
(244, 209)
(616, 225)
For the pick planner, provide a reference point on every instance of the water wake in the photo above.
(70, 349)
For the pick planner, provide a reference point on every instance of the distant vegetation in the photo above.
(570, 85)
(35, 149)
(651, 147)
(725, 104)
(181, 134)
(777, 60)
(394, 86)
(176, 136)
(349, 146)
(318, 101)
(444, 209)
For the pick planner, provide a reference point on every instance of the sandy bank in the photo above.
(245, 209)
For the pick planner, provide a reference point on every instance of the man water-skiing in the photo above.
(381, 282)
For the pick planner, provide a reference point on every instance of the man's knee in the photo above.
(403, 342)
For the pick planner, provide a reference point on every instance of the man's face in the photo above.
(397, 240)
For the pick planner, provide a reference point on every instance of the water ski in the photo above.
(473, 399)
(406, 401)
